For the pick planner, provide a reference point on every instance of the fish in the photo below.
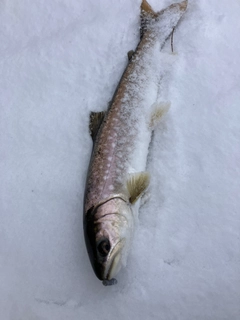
(117, 178)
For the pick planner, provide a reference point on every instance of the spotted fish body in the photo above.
(117, 177)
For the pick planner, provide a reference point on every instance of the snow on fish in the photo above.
(117, 178)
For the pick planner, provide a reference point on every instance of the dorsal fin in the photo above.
(130, 54)
(96, 119)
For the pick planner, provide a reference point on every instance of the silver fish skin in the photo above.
(117, 178)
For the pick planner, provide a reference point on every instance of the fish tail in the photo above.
(146, 8)
(148, 14)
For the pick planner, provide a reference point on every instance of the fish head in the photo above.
(108, 232)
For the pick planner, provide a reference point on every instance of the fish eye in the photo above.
(104, 247)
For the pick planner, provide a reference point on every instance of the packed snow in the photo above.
(61, 59)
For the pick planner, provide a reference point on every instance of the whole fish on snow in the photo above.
(117, 178)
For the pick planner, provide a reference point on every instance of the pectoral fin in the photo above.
(137, 184)
(96, 119)
(159, 109)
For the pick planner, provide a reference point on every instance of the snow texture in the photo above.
(61, 59)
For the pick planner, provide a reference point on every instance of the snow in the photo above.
(59, 61)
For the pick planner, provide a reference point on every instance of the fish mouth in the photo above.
(113, 265)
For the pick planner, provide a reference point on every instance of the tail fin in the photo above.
(146, 8)
(148, 14)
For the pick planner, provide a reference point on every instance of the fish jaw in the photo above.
(108, 232)
(113, 263)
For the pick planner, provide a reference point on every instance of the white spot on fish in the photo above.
(111, 187)
(104, 177)
(113, 144)
(109, 158)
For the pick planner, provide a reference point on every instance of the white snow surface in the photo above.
(61, 59)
